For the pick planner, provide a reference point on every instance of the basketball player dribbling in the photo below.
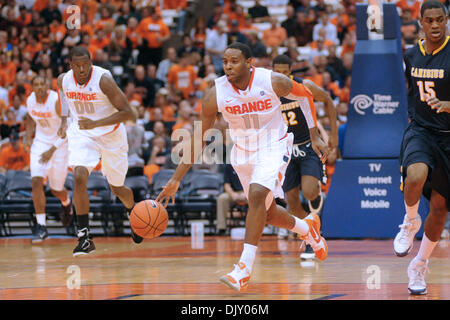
(248, 99)
(97, 108)
(48, 154)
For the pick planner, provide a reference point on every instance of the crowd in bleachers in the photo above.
(165, 80)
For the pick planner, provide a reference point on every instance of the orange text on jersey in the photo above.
(41, 114)
(81, 96)
(255, 106)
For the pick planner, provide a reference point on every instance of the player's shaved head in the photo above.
(79, 52)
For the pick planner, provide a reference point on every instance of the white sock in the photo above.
(40, 218)
(65, 203)
(248, 256)
(411, 211)
(426, 248)
(300, 227)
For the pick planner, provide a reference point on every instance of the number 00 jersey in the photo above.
(254, 114)
(88, 101)
(45, 117)
(428, 75)
(294, 118)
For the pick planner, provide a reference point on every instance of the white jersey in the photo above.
(45, 116)
(88, 101)
(254, 115)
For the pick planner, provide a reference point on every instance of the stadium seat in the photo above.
(140, 187)
(160, 179)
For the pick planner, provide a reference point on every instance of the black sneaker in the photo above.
(66, 215)
(316, 205)
(85, 243)
(40, 233)
(134, 236)
(308, 254)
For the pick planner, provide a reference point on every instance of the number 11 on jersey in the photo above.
(248, 119)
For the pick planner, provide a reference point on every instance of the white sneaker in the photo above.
(403, 242)
(416, 274)
(238, 278)
(282, 233)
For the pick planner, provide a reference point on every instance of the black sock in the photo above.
(83, 221)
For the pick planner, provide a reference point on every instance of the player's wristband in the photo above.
(63, 104)
(305, 98)
(59, 142)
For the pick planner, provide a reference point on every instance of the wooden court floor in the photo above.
(168, 268)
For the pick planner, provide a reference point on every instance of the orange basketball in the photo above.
(149, 219)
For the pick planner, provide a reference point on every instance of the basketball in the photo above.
(149, 219)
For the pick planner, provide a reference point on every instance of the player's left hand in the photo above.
(86, 124)
(439, 106)
(47, 155)
(320, 148)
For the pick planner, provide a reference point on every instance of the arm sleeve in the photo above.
(63, 104)
(305, 98)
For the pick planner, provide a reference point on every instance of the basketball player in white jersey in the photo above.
(98, 109)
(48, 154)
(248, 99)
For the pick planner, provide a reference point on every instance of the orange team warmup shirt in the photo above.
(133, 35)
(7, 74)
(14, 159)
(13, 92)
(274, 38)
(149, 29)
(182, 79)
(175, 4)
(415, 8)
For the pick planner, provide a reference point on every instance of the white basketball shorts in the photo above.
(111, 149)
(55, 169)
(265, 167)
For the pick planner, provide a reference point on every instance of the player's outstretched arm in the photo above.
(207, 118)
(118, 100)
(321, 95)
(290, 89)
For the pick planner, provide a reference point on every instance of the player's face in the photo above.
(81, 66)
(235, 65)
(282, 68)
(40, 87)
(434, 23)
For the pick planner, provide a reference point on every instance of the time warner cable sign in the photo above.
(377, 104)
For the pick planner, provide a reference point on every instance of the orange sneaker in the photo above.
(238, 278)
(314, 239)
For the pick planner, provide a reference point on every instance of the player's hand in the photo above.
(86, 124)
(27, 144)
(320, 148)
(332, 142)
(439, 106)
(47, 155)
(62, 128)
(168, 192)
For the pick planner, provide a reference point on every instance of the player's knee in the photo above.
(257, 195)
(438, 207)
(416, 175)
(37, 183)
(117, 190)
(80, 179)
(311, 193)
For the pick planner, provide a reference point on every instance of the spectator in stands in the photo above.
(341, 111)
(184, 115)
(215, 17)
(347, 61)
(154, 32)
(144, 86)
(412, 5)
(9, 123)
(182, 76)
(410, 28)
(335, 66)
(303, 30)
(132, 33)
(187, 45)
(348, 44)
(51, 12)
(258, 48)
(235, 35)
(167, 108)
(181, 11)
(7, 70)
(216, 43)
(259, 13)
(289, 23)
(20, 111)
(101, 59)
(151, 74)
(136, 145)
(198, 34)
(234, 194)
(160, 157)
(275, 36)
(330, 86)
(14, 156)
(166, 64)
(330, 29)
(248, 26)
(125, 13)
